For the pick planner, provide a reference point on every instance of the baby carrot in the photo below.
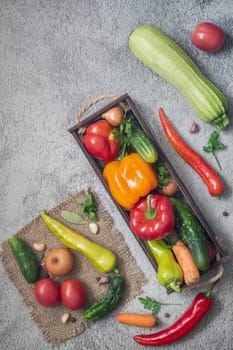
(135, 319)
(186, 262)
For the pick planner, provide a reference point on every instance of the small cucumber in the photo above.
(192, 233)
(26, 259)
(108, 302)
(142, 145)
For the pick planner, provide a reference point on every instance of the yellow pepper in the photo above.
(129, 179)
(101, 258)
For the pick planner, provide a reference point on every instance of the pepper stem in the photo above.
(209, 292)
(174, 286)
(116, 271)
(150, 213)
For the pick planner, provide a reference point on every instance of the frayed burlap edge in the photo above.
(48, 320)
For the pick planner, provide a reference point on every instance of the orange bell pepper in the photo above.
(129, 179)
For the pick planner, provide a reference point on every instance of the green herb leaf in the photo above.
(73, 218)
(89, 207)
(214, 146)
(128, 122)
(152, 304)
(163, 174)
(171, 239)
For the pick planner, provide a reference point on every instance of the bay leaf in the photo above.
(73, 218)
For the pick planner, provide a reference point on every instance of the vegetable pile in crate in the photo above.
(149, 194)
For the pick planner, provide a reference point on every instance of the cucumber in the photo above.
(26, 259)
(164, 56)
(108, 302)
(142, 144)
(192, 233)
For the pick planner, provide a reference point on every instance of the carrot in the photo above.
(186, 262)
(139, 320)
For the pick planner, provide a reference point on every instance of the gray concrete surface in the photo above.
(54, 57)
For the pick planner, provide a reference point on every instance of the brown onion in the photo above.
(59, 262)
(113, 116)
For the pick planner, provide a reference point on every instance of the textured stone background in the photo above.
(54, 57)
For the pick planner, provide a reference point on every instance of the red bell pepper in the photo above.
(100, 142)
(152, 217)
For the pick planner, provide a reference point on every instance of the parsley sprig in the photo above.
(152, 304)
(122, 133)
(163, 174)
(89, 207)
(213, 146)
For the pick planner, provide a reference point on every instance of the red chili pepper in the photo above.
(99, 141)
(208, 175)
(197, 310)
(152, 217)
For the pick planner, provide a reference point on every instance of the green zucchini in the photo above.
(108, 302)
(164, 56)
(26, 259)
(192, 233)
(142, 144)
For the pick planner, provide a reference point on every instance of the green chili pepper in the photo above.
(101, 258)
(170, 274)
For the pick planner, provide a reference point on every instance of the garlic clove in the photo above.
(65, 317)
(104, 280)
(94, 228)
(40, 247)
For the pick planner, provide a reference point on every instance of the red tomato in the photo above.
(212, 251)
(101, 127)
(100, 142)
(47, 292)
(73, 294)
(208, 37)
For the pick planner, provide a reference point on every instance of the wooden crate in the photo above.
(78, 130)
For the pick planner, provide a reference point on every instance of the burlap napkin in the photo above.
(48, 320)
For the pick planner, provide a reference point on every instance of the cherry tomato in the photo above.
(170, 189)
(73, 294)
(208, 37)
(47, 292)
(212, 251)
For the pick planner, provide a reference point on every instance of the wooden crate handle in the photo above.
(92, 103)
